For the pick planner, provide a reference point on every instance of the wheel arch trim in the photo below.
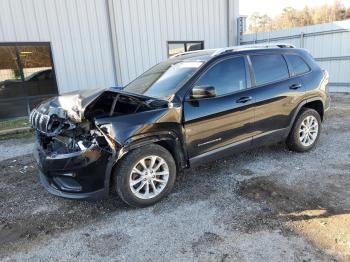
(144, 140)
(300, 106)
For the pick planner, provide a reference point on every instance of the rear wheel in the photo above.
(145, 175)
(305, 131)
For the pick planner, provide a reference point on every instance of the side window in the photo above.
(269, 68)
(226, 76)
(298, 64)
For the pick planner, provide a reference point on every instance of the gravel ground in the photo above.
(268, 204)
(15, 147)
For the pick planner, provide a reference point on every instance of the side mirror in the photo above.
(200, 92)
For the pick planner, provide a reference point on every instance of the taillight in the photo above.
(324, 84)
(325, 74)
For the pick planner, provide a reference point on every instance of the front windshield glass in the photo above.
(162, 80)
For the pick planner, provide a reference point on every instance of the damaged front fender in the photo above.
(156, 126)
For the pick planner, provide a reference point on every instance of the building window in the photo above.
(26, 77)
(176, 47)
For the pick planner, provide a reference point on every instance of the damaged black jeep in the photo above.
(192, 108)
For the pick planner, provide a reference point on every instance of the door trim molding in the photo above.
(221, 151)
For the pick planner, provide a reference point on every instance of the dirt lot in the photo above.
(265, 205)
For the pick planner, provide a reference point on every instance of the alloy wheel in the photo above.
(149, 177)
(308, 131)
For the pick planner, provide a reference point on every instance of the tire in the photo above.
(125, 174)
(295, 141)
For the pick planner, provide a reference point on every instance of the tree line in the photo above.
(291, 17)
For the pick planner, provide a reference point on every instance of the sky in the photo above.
(274, 7)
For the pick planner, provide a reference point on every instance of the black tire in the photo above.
(293, 141)
(124, 168)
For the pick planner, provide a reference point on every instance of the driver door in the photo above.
(214, 124)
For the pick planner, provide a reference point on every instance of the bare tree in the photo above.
(291, 17)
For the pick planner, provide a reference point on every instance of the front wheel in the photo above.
(145, 175)
(305, 131)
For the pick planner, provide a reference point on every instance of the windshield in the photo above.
(162, 80)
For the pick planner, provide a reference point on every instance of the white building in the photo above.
(106, 43)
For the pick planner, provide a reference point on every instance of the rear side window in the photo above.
(226, 76)
(298, 64)
(269, 68)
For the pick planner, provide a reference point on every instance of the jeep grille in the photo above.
(39, 121)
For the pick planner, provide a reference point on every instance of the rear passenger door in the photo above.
(278, 93)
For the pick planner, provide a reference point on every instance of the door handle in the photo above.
(295, 86)
(244, 99)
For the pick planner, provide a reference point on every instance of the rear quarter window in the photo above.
(269, 68)
(299, 66)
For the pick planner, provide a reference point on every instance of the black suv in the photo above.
(192, 108)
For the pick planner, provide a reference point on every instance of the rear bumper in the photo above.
(77, 175)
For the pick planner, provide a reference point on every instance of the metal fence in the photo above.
(328, 43)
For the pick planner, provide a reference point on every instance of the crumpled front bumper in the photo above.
(76, 175)
(52, 188)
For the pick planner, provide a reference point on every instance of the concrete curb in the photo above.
(19, 130)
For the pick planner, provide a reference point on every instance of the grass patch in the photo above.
(14, 123)
(23, 135)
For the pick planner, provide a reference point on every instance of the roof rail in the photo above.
(243, 47)
(191, 52)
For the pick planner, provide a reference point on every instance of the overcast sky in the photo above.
(275, 7)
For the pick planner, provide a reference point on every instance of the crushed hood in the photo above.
(70, 104)
(74, 104)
